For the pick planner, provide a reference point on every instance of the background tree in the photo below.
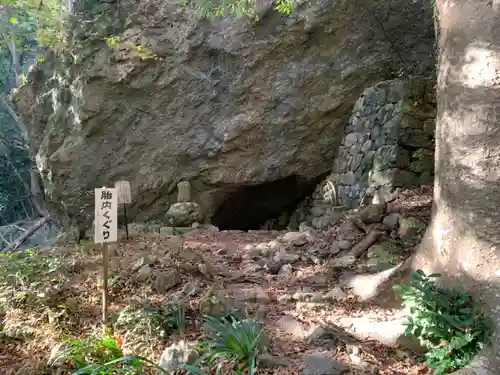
(463, 239)
(25, 28)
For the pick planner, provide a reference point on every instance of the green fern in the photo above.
(446, 322)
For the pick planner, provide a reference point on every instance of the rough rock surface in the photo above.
(224, 104)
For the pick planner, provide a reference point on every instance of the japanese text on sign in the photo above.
(106, 215)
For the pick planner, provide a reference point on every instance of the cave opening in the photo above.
(250, 206)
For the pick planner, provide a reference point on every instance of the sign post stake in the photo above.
(124, 197)
(105, 271)
(106, 230)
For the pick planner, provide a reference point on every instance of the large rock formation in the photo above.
(225, 104)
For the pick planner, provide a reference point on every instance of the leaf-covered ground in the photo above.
(306, 290)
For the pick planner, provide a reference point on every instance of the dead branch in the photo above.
(18, 242)
(19, 228)
(373, 235)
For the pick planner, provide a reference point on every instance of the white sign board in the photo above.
(123, 190)
(106, 215)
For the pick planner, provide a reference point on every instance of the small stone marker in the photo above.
(184, 191)
(124, 197)
(106, 230)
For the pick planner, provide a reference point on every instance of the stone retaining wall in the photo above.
(388, 143)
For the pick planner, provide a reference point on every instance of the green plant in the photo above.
(236, 8)
(445, 321)
(100, 356)
(25, 267)
(230, 341)
(177, 315)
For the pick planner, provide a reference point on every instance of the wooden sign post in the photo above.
(106, 230)
(124, 197)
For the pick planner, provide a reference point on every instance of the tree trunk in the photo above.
(34, 188)
(463, 241)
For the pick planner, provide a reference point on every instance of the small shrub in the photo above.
(230, 341)
(445, 321)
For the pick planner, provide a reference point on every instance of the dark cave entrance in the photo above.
(251, 206)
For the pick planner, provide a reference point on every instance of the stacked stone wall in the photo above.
(388, 143)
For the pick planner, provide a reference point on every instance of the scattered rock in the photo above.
(343, 261)
(167, 231)
(184, 214)
(144, 273)
(345, 244)
(273, 267)
(252, 267)
(176, 355)
(292, 326)
(191, 288)
(410, 227)
(321, 222)
(319, 279)
(372, 214)
(391, 221)
(336, 294)
(356, 359)
(315, 333)
(335, 249)
(385, 251)
(304, 227)
(322, 363)
(267, 360)
(285, 257)
(142, 245)
(285, 298)
(349, 231)
(286, 270)
(263, 248)
(261, 295)
(166, 280)
(175, 242)
(255, 294)
(323, 337)
(297, 238)
(275, 245)
(221, 251)
(144, 261)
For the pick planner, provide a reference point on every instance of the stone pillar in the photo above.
(184, 191)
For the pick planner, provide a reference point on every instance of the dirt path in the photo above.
(306, 289)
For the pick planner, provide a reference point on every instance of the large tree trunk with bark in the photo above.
(463, 241)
